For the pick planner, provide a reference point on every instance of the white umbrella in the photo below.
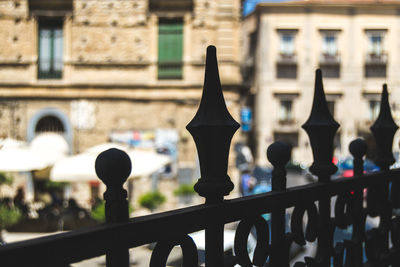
(51, 147)
(11, 143)
(80, 168)
(20, 159)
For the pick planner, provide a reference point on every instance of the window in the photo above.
(375, 70)
(285, 110)
(331, 107)
(329, 59)
(50, 61)
(376, 58)
(330, 70)
(287, 65)
(329, 44)
(287, 43)
(170, 49)
(375, 44)
(291, 138)
(374, 107)
(286, 71)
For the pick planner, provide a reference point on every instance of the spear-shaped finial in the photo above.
(321, 128)
(212, 129)
(383, 130)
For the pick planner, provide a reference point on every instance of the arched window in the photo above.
(49, 124)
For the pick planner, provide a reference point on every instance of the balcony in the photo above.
(286, 66)
(288, 122)
(287, 58)
(375, 65)
(330, 65)
(329, 59)
(376, 59)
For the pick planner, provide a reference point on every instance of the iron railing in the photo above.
(212, 129)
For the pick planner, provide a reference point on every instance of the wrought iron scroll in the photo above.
(262, 249)
(163, 248)
(212, 129)
(296, 223)
(321, 128)
(349, 211)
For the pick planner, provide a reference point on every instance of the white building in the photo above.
(355, 43)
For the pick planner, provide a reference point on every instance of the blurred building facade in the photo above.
(355, 43)
(89, 69)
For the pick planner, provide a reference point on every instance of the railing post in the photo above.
(321, 129)
(212, 129)
(279, 155)
(358, 148)
(113, 167)
(384, 130)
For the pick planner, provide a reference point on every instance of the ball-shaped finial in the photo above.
(358, 148)
(113, 167)
(278, 153)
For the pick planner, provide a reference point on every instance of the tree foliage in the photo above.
(99, 211)
(184, 190)
(8, 216)
(151, 200)
(6, 178)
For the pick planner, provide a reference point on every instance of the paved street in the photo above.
(295, 179)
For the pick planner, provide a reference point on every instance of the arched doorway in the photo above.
(50, 120)
(49, 124)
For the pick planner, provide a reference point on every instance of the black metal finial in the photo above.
(358, 148)
(321, 128)
(113, 167)
(383, 130)
(212, 129)
(279, 154)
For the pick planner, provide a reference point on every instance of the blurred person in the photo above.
(248, 182)
(74, 217)
(19, 201)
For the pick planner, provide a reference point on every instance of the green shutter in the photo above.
(170, 47)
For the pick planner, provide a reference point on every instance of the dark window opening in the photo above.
(50, 59)
(330, 71)
(290, 138)
(286, 71)
(285, 111)
(49, 124)
(331, 107)
(374, 109)
(375, 71)
(170, 49)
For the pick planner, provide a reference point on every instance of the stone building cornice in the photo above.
(115, 92)
(370, 5)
